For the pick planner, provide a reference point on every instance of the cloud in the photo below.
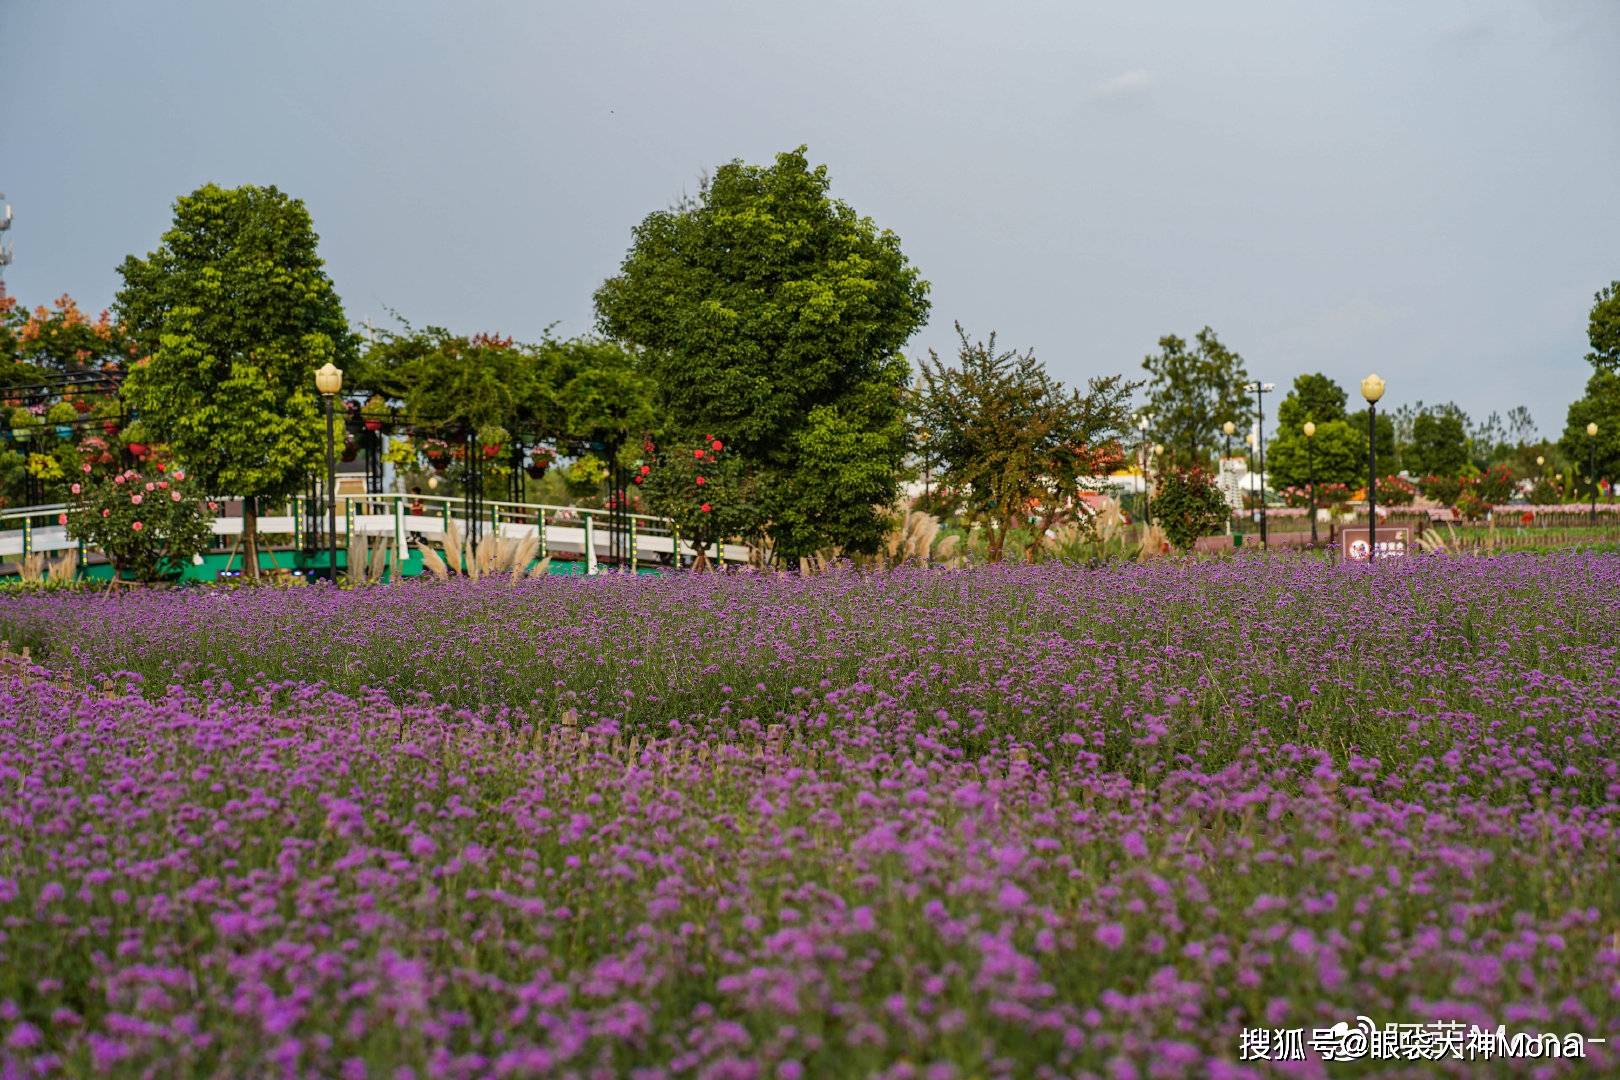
(1130, 84)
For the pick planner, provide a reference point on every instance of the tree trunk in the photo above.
(997, 540)
(250, 537)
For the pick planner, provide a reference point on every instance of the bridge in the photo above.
(577, 540)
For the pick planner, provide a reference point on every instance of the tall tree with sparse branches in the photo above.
(1014, 441)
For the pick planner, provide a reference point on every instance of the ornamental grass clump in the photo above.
(1015, 821)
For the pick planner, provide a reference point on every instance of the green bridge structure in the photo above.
(577, 540)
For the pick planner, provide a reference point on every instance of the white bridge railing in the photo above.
(408, 520)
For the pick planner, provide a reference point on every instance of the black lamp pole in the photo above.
(1310, 472)
(331, 489)
(329, 382)
(1591, 466)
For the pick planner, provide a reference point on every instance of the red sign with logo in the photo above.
(1392, 544)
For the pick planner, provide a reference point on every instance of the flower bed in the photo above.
(1012, 822)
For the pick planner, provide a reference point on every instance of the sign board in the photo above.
(1392, 544)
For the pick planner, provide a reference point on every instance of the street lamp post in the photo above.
(922, 437)
(1261, 389)
(1372, 388)
(1591, 466)
(1147, 501)
(1158, 459)
(329, 381)
(1310, 473)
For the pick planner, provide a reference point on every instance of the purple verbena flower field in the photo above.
(1013, 821)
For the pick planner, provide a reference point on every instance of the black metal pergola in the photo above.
(369, 431)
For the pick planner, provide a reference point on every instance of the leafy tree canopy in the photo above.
(1600, 405)
(1385, 433)
(59, 339)
(1014, 440)
(1439, 445)
(1603, 329)
(232, 314)
(772, 315)
(1316, 398)
(1336, 454)
(1192, 392)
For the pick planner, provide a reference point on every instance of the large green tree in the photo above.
(771, 315)
(1603, 329)
(1386, 434)
(1439, 445)
(1337, 453)
(1192, 391)
(231, 315)
(1313, 397)
(1599, 405)
(1012, 440)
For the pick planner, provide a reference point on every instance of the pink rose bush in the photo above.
(145, 541)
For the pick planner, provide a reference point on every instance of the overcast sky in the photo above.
(1429, 189)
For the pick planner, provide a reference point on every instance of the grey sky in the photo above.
(1423, 187)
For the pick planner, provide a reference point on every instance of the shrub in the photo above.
(1471, 505)
(148, 525)
(701, 486)
(1327, 495)
(1442, 489)
(1544, 493)
(1495, 485)
(1394, 491)
(1189, 505)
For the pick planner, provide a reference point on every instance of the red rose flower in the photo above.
(716, 446)
(704, 508)
(700, 480)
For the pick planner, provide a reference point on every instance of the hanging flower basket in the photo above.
(373, 424)
(536, 471)
(351, 450)
(138, 449)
